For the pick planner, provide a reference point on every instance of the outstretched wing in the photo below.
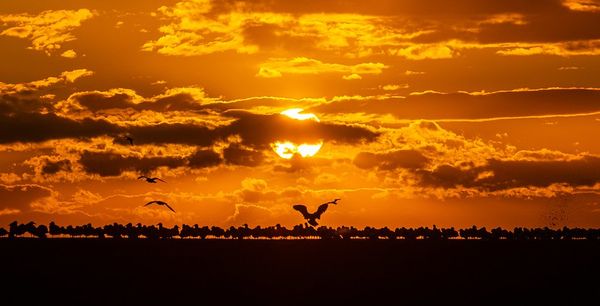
(322, 208)
(302, 209)
(156, 178)
(167, 205)
(151, 202)
(141, 177)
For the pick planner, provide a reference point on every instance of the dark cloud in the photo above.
(96, 101)
(237, 155)
(474, 106)
(10, 104)
(33, 127)
(20, 196)
(110, 164)
(204, 159)
(259, 131)
(181, 101)
(409, 159)
(505, 174)
(180, 133)
(52, 167)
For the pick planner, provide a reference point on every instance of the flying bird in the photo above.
(129, 139)
(150, 179)
(312, 217)
(160, 203)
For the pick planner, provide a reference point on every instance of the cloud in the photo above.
(33, 127)
(472, 105)
(506, 174)
(565, 49)
(69, 54)
(392, 160)
(204, 158)
(34, 86)
(410, 72)
(173, 99)
(409, 29)
(393, 87)
(582, 5)
(47, 30)
(259, 131)
(205, 27)
(19, 197)
(110, 164)
(237, 155)
(302, 65)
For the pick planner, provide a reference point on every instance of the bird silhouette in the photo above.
(312, 217)
(150, 179)
(160, 203)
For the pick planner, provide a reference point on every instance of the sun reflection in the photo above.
(287, 149)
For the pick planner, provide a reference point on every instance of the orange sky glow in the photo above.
(414, 113)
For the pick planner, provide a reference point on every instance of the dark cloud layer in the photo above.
(33, 127)
(475, 106)
(110, 164)
(505, 174)
(261, 130)
(113, 164)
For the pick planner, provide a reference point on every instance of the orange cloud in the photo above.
(26, 88)
(195, 30)
(582, 5)
(572, 48)
(303, 65)
(69, 54)
(47, 30)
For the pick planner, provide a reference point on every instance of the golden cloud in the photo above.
(582, 5)
(196, 30)
(565, 49)
(69, 54)
(46, 30)
(302, 65)
(26, 88)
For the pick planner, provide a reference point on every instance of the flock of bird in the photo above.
(311, 218)
(301, 231)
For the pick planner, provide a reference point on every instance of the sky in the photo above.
(414, 113)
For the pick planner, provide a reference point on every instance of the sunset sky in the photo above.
(451, 113)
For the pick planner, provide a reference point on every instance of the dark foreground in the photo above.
(295, 272)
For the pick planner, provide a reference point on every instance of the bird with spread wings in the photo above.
(160, 203)
(312, 217)
(150, 179)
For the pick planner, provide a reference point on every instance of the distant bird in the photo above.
(312, 217)
(150, 179)
(129, 139)
(160, 203)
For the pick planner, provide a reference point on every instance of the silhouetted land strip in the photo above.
(131, 231)
(299, 272)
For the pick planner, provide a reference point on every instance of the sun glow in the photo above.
(287, 149)
(295, 113)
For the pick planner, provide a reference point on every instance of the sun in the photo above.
(287, 149)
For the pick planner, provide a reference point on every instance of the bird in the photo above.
(129, 139)
(150, 179)
(160, 203)
(312, 217)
